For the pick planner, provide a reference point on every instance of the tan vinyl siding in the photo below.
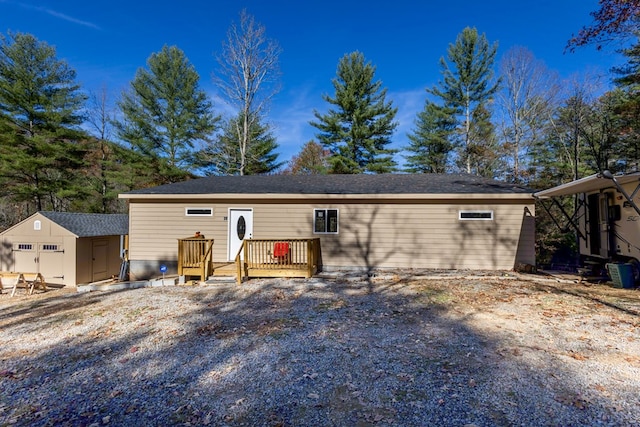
(401, 233)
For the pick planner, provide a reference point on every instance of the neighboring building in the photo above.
(363, 221)
(66, 248)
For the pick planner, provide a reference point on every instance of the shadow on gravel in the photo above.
(31, 310)
(275, 353)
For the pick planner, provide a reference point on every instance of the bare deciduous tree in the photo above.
(101, 114)
(248, 76)
(528, 94)
(100, 117)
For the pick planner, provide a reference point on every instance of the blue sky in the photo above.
(107, 41)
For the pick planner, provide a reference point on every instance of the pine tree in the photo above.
(485, 154)
(224, 157)
(627, 109)
(430, 143)
(359, 130)
(40, 114)
(469, 83)
(166, 114)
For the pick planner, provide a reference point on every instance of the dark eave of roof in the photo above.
(90, 224)
(337, 184)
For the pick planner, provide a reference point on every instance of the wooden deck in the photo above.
(256, 258)
(278, 258)
(195, 257)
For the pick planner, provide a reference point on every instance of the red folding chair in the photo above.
(281, 252)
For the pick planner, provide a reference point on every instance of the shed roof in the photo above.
(357, 184)
(90, 224)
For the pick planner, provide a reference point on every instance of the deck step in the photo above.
(224, 269)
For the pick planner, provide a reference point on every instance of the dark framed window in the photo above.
(475, 215)
(325, 221)
(199, 211)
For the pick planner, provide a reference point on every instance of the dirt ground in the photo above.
(398, 348)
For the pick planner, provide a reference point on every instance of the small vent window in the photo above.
(48, 247)
(199, 211)
(24, 247)
(475, 215)
(325, 221)
(37, 225)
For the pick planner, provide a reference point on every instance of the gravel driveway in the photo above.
(479, 350)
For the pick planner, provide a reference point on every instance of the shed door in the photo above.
(25, 257)
(51, 262)
(240, 228)
(44, 258)
(99, 260)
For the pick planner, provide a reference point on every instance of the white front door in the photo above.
(240, 228)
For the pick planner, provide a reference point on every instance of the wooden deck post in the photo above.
(195, 257)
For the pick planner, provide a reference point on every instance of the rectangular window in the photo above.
(24, 247)
(475, 215)
(199, 211)
(50, 248)
(325, 221)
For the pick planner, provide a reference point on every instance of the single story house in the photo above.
(66, 248)
(363, 221)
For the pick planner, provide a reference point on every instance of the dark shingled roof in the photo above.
(338, 184)
(90, 224)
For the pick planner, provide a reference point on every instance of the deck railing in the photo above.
(195, 257)
(278, 258)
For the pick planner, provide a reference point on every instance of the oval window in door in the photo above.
(241, 228)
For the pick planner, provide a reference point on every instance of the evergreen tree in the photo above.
(224, 157)
(599, 135)
(359, 130)
(430, 143)
(113, 169)
(627, 109)
(166, 114)
(469, 83)
(40, 111)
(485, 154)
